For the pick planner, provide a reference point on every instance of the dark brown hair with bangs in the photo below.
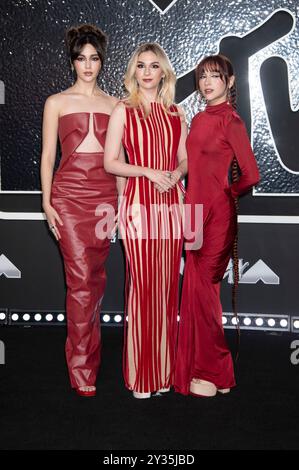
(221, 64)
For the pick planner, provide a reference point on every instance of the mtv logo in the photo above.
(260, 271)
(163, 5)
(8, 269)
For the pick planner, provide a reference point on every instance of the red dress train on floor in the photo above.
(216, 136)
(81, 186)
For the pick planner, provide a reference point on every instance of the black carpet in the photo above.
(38, 410)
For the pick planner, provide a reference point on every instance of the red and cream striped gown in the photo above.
(151, 228)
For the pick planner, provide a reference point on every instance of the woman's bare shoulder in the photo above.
(57, 100)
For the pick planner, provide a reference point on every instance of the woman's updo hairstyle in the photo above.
(78, 36)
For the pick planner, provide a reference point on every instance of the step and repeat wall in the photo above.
(261, 38)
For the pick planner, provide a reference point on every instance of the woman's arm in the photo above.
(238, 139)
(49, 145)
(182, 168)
(121, 180)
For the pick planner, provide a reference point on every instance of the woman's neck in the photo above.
(148, 97)
(87, 89)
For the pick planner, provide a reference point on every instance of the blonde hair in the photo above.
(166, 90)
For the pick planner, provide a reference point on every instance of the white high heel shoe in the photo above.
(202, 388)
(142, 395)
(223, 390)
(164, 390)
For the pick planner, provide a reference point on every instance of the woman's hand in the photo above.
(161, 179)
(175, 176)
(53, 218)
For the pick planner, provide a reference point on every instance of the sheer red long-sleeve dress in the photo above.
(83, 194)
(217, 135)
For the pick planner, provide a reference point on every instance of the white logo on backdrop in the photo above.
(8, 269)
(165, 8)
(260, 271)
(2, 92)
(294, 358)
(2, 353)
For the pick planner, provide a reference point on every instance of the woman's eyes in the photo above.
(81, 59)
(154, 66)
(214, 75)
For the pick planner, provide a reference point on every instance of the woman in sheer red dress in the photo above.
(153, 131)
(80, 196)
(217, 138)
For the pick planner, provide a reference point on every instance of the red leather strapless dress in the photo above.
(80, 187)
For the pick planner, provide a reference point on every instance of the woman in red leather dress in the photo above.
(80, 196)
(217, 136)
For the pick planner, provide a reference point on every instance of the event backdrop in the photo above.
(262, 40)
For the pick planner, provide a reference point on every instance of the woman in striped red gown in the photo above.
(153, 132)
